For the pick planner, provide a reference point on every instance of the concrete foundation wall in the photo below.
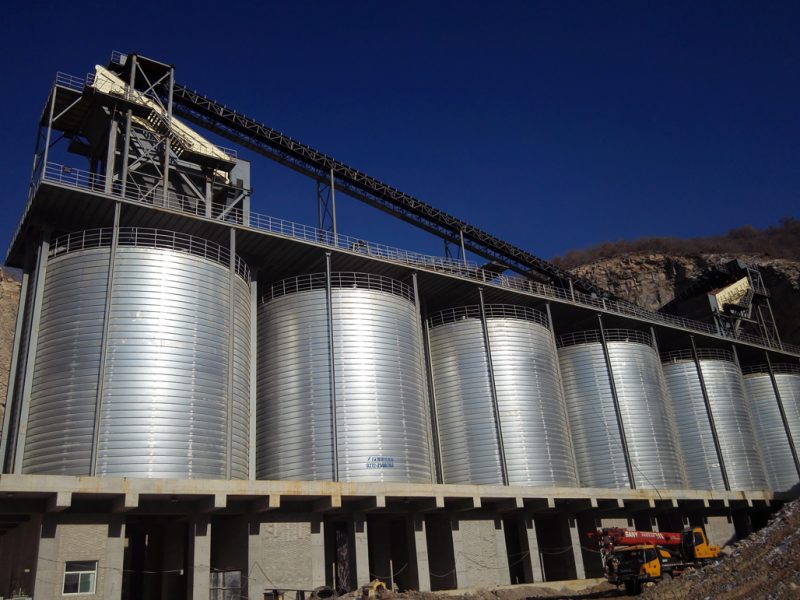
(720, 530)
(480, 552)
(286, 553)
(73, 537)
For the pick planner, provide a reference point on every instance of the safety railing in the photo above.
(777, 368)
(339, 280)
(466, 270)
(702, 354)
(592, 336)
(142, 237)
(493, 311)
(72, 82)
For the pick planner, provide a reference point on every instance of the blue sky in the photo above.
(553, 125)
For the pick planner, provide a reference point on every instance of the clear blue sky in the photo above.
(554, 125)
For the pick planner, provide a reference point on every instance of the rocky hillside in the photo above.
(653, 279)
(9, 298)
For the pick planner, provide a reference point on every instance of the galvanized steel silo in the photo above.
(533, 420)
(382, 417)
(646, 416)
(729, 408)
(695, 434)
(769, 427)
(143, 359)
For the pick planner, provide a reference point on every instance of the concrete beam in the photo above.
(125, 503)
(214, 503)
(326, 504)
(58, 502)
(265, 503)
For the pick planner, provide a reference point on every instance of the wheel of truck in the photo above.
(666, 577)
(632, 587)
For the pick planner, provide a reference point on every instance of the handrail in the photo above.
(493, 311)
(339, 280)
(144, 237)
(85, 180)
(592, 336)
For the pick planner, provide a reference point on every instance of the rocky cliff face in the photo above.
(652, 280)
(9, 299)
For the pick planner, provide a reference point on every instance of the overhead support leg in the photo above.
(782, 410)
(98, 403)
(18, 434)
(493, 386)
(332, 365)
(710, 413)
(615, 398)
(231, 351)
(427, 404)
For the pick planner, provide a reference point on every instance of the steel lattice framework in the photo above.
(248, 132)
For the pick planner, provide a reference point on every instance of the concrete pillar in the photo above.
(535, 557)
(501, 552)
(575, 540)
(421, 549)
(47, 572)
(480, 552)
(720, 530)
(200, 555)
(361, 548)
(256, 582)
(317, 552)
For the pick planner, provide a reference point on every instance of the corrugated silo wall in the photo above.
(165, 388)
(382, 417)
(530, 403)
(646, 415)
(781, 471)
(741, 451)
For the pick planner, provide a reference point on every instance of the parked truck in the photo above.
(634, 558)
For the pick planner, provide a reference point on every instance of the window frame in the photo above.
(80, 573)
(224, 589)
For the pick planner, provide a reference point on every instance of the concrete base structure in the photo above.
(152, 539)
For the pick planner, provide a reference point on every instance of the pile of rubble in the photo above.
(765, 565)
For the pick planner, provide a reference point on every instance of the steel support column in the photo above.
(111, 153)
(782, 410)
(127, 141)
(167, 135)
(332, 350)
(253, 370)
(19, 434)
(434, 410)
(495, 405)
(552, 329)
(98, 403)
(12, 373)
(615, 398)
(231, 351)
(710, 414)
(429, 418)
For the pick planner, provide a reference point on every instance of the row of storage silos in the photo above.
(142, 368)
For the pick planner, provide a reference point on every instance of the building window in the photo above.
(80, 577)
(226, 585)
